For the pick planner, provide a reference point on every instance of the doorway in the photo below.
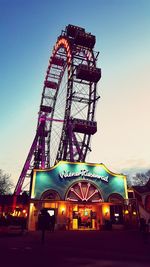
(84, 218)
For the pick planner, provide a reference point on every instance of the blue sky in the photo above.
(28, 32)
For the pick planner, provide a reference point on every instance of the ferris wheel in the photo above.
(66, 117)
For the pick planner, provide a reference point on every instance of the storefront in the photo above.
(79, 195)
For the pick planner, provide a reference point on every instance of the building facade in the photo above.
(142, 194)
(79, 195)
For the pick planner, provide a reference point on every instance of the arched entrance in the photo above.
(49, 201)
(84, 211)
(50, 195)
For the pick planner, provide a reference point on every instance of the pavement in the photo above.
(116, 248)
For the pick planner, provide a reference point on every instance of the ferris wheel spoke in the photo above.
(80, 111)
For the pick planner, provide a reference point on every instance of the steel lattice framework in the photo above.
(66, 118)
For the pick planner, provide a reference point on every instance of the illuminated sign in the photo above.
(83, 174)
(61, 178)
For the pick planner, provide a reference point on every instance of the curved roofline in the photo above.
(81, 163)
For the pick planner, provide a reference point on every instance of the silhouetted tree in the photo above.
(5, 183)
(140, 178)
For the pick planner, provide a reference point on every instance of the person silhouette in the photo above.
(52, 223)
(44, 223)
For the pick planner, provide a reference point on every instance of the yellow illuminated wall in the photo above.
(106, 211)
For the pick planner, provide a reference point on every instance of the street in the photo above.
(76, 248)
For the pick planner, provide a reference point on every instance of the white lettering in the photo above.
(83, 174)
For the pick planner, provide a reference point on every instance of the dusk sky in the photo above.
(28, 32)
